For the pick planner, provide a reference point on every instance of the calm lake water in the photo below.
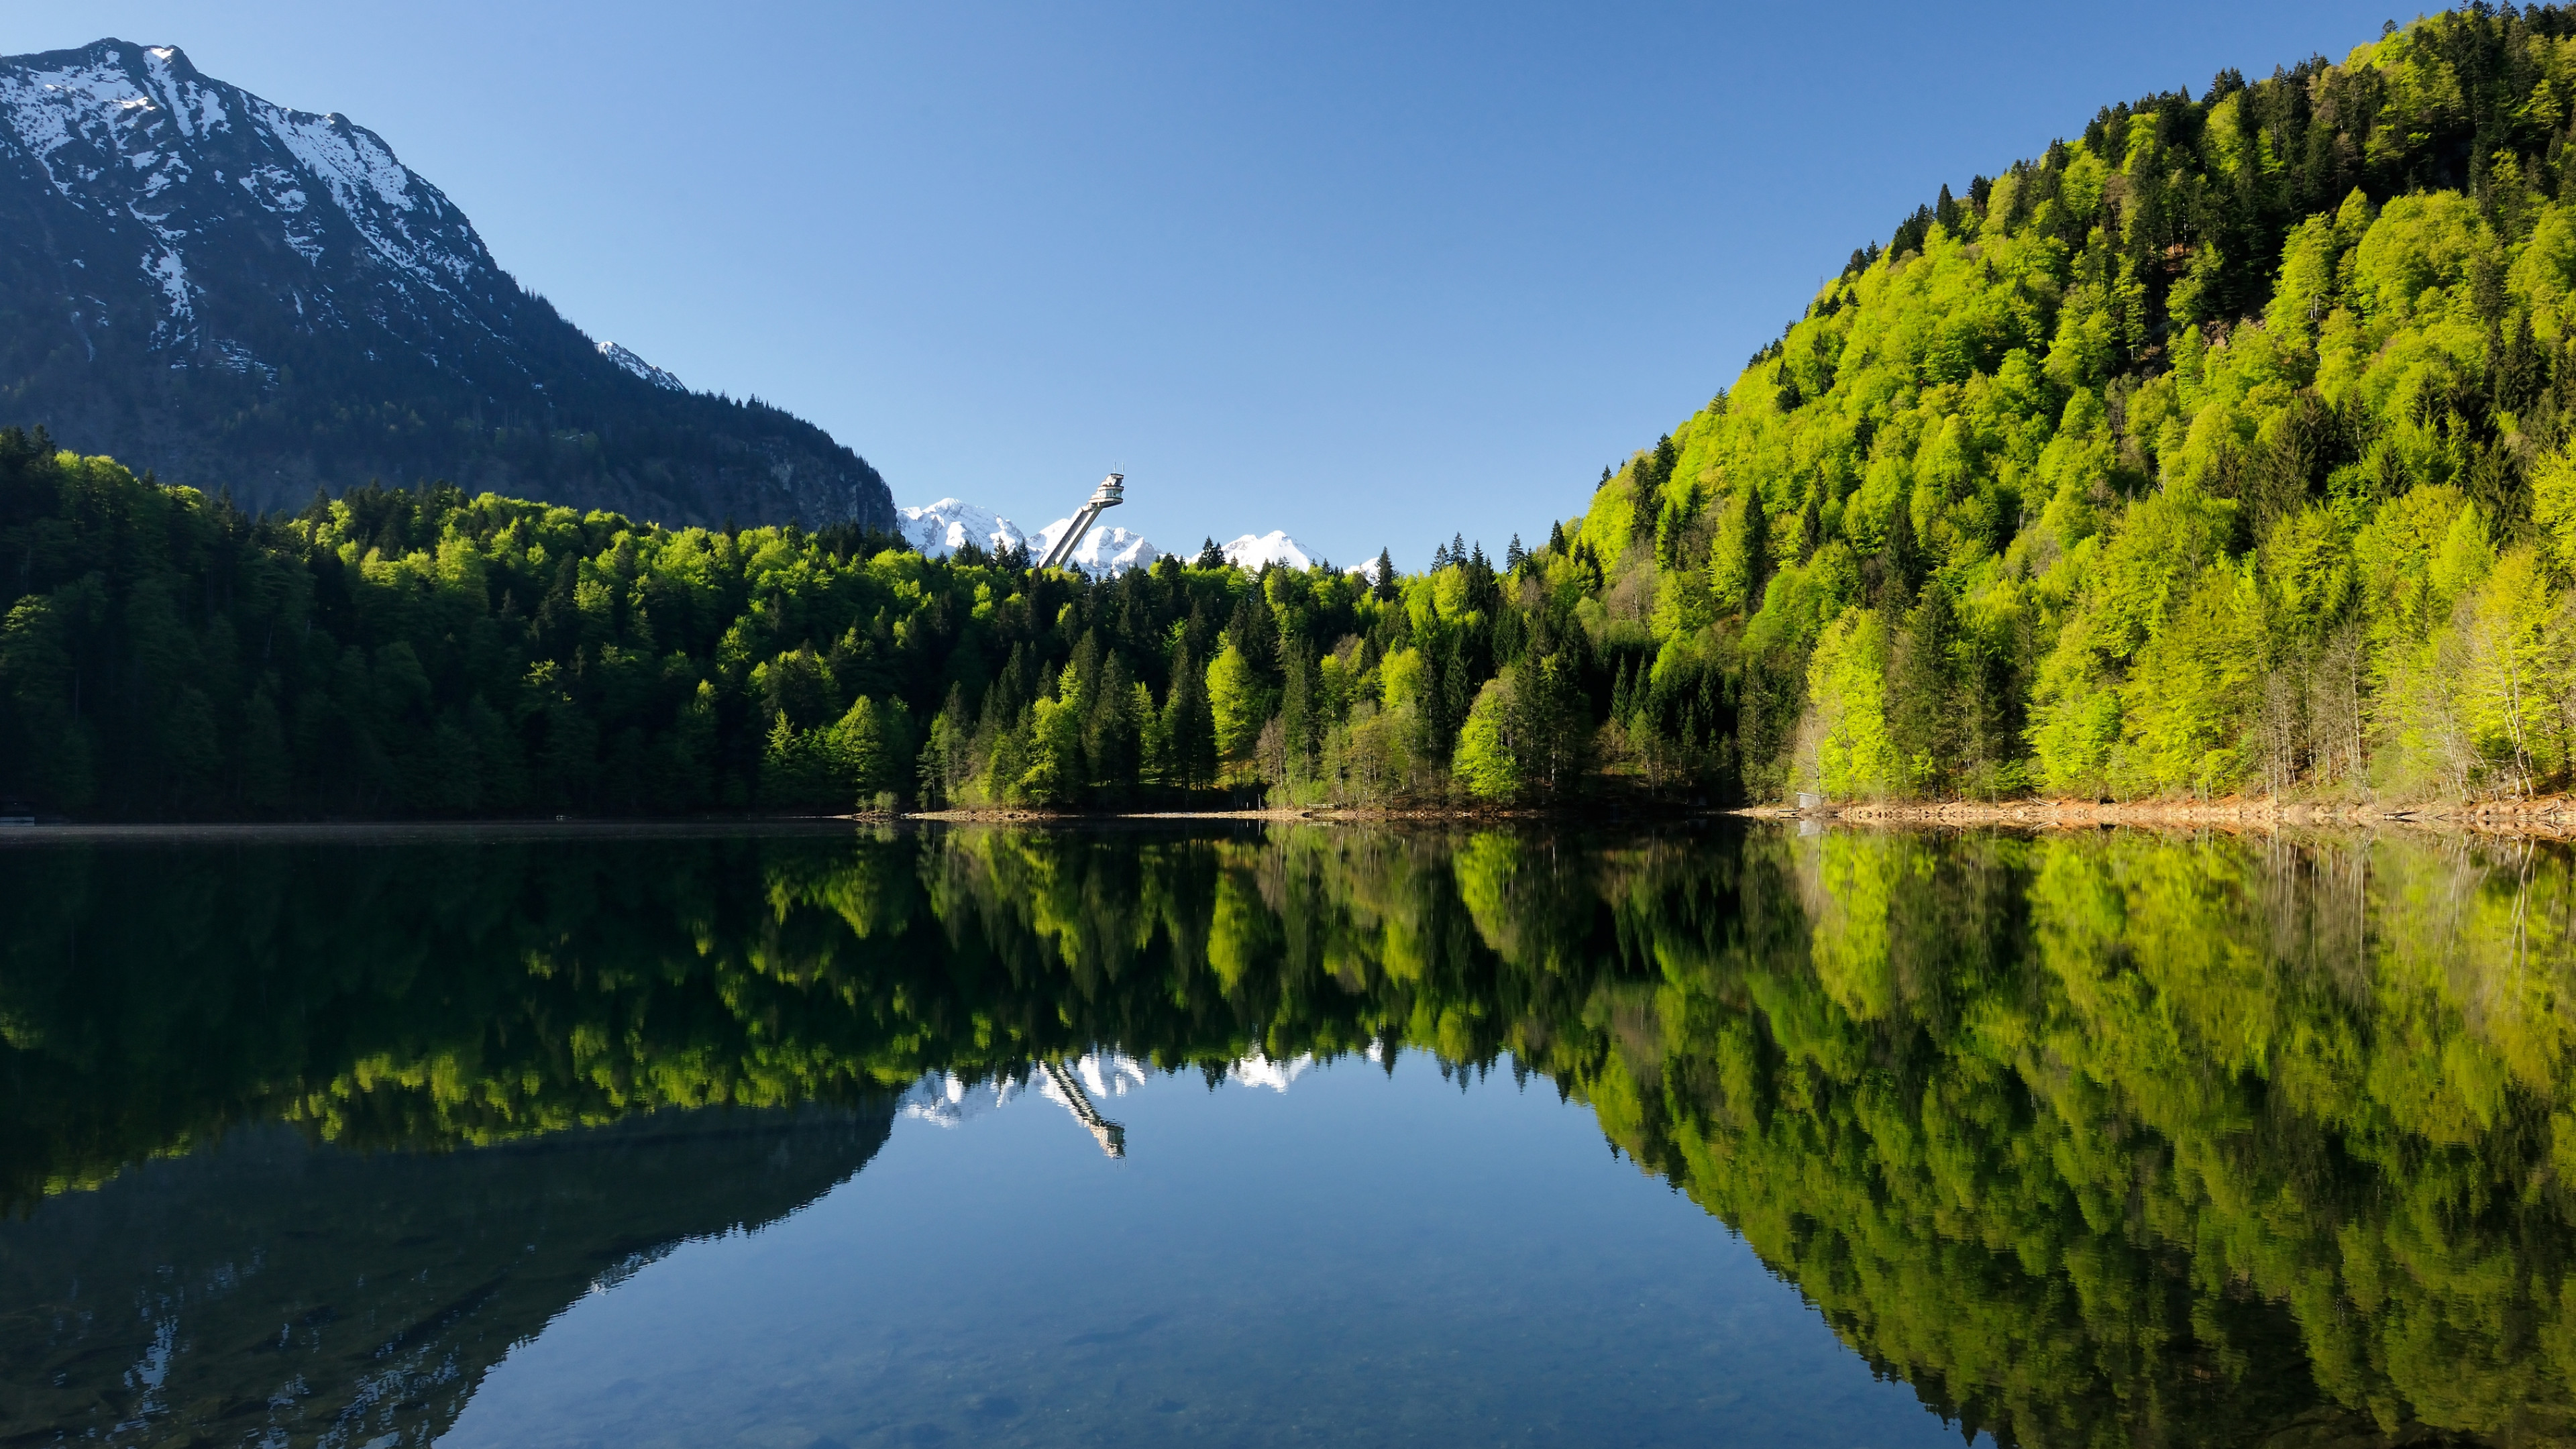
(1286, 1135)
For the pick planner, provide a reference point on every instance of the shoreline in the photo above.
(2549, 816)
(2553, 815)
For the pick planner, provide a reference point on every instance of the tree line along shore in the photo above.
(2222, 450)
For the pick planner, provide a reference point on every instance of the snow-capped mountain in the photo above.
(1252, 551)
(1106, 552)
(1258, 1070)
(242, 295)
(938, 529)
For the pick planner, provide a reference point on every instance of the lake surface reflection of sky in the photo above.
(1366, 1258)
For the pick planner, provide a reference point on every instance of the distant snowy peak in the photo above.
(1255, 551)
(937, 529)
(626, 359)
(1105, 551)
(940, 529)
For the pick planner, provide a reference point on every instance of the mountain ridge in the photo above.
(247, 297)
(938, 529)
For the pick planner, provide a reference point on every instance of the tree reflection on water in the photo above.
(2115, 1138)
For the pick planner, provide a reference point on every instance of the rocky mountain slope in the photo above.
(242, 296)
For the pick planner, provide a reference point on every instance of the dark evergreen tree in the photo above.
(1922, 687)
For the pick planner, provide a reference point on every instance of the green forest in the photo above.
(2094, 1139)
(419, 652)
(2227, 448)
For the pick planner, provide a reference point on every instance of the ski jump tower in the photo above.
(1111, 492)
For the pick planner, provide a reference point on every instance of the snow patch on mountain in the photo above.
(47, 110)
(940, 529)
(170, 274)
(274, 188)
(193, 106)
(377, 192)
(349, 159)
(1252, 551)
(626, 359)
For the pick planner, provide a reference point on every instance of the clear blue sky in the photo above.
(1370, 273)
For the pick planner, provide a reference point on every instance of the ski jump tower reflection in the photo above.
(1111, 1137)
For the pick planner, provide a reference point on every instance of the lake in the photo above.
(1250, 1133)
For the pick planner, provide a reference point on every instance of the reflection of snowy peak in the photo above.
(1257, 1070)
(940, 529)
(1253, 551)
(1103, 1075)
(1104, 552)
(945, 1099)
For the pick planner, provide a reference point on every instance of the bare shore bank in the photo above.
(2545, 815)
(1316, 813)
(2553, 816)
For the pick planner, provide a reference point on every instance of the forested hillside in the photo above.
(409, 652)
(2222, 448)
